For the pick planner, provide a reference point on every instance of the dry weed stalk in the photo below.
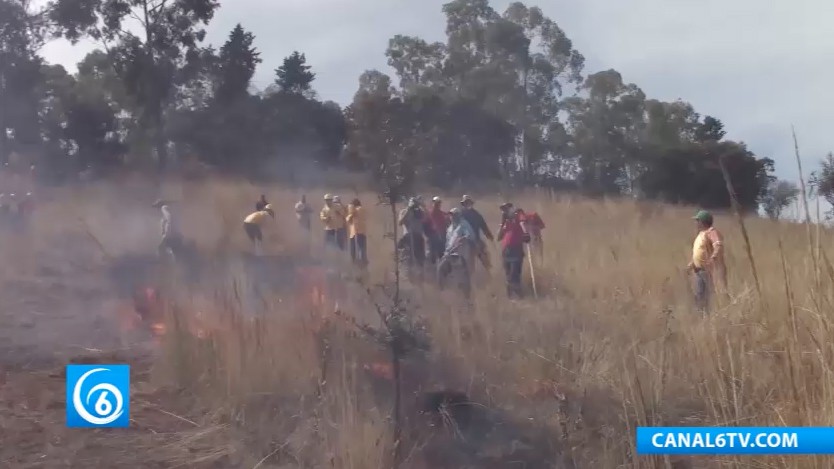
(685, 371)
(740, 219)
(804, 193)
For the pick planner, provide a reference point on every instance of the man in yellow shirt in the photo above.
(333, 221)
(707, 259)
(357, 224)
(252, 225)
(341, 233)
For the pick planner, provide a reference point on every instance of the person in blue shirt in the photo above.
(460, 239)
(479, 225)
(459, 235)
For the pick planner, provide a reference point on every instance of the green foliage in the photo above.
(81, 118)
(294, 75)
(502, 97)
(380, 137)
(690, 174)
(236, 66)
(21, 34)
(150, 66)
(780, 194)
(235, 131)
(423, 135)
(823, 181)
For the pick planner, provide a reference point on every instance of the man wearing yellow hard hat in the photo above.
(333, 222)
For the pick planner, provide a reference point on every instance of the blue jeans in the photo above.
(359, 248)
(703, 287)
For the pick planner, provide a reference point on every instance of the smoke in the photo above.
(298, 166)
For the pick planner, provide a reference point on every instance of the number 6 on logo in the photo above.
(98, 395)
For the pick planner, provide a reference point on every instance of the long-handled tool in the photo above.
(532, 271)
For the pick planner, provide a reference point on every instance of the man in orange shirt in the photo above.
(707, 260)
(357, 225)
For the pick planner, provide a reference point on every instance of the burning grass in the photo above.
(611, 344)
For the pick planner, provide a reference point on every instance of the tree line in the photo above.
(505, 97)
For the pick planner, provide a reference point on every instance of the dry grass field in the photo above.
(241, 379)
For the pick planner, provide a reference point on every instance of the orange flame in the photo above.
(158, 328)
(147, 312)
(317, 298)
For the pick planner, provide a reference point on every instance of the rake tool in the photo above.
(532, 271)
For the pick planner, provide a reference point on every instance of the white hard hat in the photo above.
(328, 197)
(336, 198)
(454, 211)
(436, 199)
(465, 199)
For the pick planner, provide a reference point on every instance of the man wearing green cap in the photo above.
(707, 259)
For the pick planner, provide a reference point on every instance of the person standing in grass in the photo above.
(261, 203)
(171, 237)
(512, 235)
(358, 241)
(707, 264)
(333, 221)
(252, 226)
(459, 239)
(440, 221)
(479, 225)
(413, 220)
(341, 233)
(303, 213)
(535, 224)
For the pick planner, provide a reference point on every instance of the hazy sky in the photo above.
(759, 66)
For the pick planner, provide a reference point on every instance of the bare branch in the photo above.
(138, 18)
(157, 9)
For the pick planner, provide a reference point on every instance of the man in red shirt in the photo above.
(535, 225)
(512, 234)
(439, 222)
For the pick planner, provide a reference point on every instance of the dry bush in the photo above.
(611, 344)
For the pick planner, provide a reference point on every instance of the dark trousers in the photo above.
(703, 287)
(174, 243)
(416, 246)
(513, 259)
(341, 238)
(437, 245)
(359, 247)
(253, 232)
(330, 239)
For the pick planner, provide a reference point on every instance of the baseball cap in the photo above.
(703, 216)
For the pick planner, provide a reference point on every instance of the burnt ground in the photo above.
(67, 306)
(60, 306)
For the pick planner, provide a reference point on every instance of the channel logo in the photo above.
(98, 395)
